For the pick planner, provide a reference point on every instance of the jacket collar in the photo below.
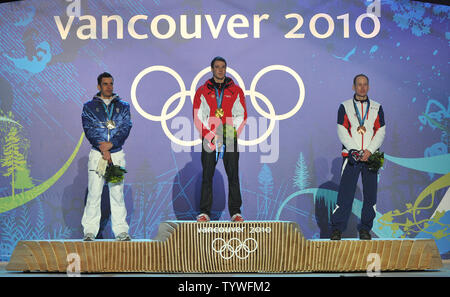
(115, 97)
(362, 101)
(211, 83)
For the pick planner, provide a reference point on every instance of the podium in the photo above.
(225, 247)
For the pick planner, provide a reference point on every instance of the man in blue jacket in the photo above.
(106, 124)
(361, 130)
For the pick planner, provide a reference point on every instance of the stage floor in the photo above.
(444, 272)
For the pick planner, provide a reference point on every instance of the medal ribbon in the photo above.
(109, 114)
(219, 98)
(361, 122)
(220, 155)
(219, 105)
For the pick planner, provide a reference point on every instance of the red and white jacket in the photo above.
(205, 105)
(348, 123)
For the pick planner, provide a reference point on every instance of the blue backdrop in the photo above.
(295, 61)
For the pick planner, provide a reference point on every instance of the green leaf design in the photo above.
(10, 202)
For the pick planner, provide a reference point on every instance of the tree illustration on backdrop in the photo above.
(14, 161)
(23, 179)
(265, 180)
(301, 177)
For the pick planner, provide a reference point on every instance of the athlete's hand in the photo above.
(366, 156)
(105, 146)
(106, 155)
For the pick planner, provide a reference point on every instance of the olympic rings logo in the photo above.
(181, 96)
(227, 249)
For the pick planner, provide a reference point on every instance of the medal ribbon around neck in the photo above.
(219, 110)
(219, 98)
(108, 113)
(361, 122)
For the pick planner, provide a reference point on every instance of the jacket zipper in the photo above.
(107, 108)
(362, 134)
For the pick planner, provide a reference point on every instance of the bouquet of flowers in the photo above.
(376, 161)
(228, 133)
(114, 173)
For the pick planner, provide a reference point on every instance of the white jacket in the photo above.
(348, 124)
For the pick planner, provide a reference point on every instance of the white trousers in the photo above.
(92, 210)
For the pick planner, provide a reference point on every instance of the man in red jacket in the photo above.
(219, 108)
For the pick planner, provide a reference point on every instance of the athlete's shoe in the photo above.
(203, 217)
(364, 235)
(124, 236)
(336, 235)
(237, 218)
(89, 237)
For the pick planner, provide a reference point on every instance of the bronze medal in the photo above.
(361, 130)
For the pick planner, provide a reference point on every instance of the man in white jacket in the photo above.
(361, 130)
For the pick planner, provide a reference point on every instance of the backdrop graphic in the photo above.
(295, 61)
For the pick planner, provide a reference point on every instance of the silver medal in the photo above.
(110, 125)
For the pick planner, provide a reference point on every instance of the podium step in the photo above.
(225, 247)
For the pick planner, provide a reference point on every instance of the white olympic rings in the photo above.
(164, 117)
(234, 251)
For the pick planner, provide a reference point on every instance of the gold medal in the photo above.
(361, 130)
(110, 125)
(219, 113)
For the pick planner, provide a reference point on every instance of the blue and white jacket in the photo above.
(94, 118)
(347, 125)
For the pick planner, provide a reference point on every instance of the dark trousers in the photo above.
(231, 164)
(347, 188)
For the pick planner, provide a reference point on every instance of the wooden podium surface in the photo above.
(225, 247)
